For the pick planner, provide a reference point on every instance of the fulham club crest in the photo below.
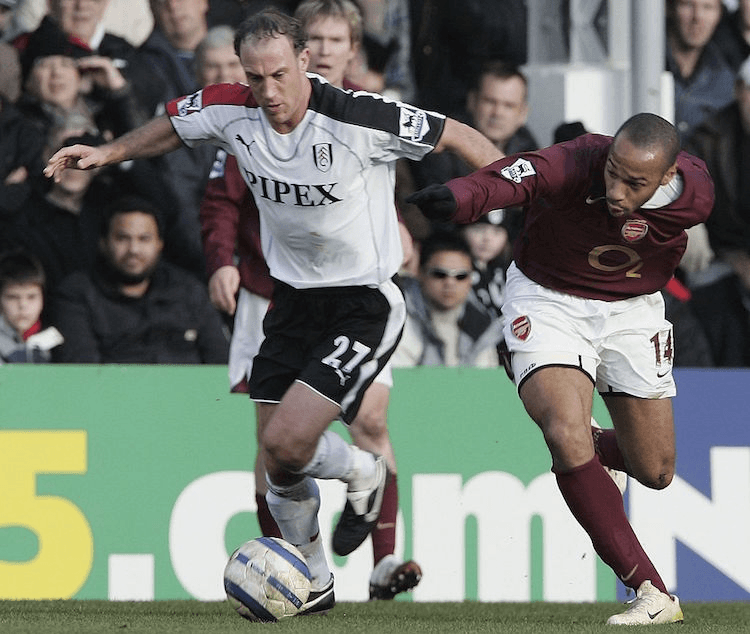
(521, 327)
(634, 230)
(323, 156)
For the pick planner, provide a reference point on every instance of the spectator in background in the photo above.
(491, 252)
(498, 107)
(10, 65)
(56, 93)
(452, 40)
(384, 60)
(703, 78)
(166, 60)
(60, 225)
(722, 300)
(23, 339)
(133, 307)
(169, 67)
(732, 36)
(128, 19)
(75, 28)
(21, 144)
(442, 326)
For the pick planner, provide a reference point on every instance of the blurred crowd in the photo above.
(73, 289)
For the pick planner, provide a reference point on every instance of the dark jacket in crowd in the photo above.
(174, 322)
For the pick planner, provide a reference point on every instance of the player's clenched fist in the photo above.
(435, 201)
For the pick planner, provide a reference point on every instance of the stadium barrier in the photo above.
(135, 483)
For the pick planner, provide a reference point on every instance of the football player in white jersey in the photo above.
(320, 163)
(239, 284)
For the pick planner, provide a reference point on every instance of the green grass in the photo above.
(186, 617)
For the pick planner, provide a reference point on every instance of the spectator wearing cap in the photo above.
(721, 295)
(491, 252)
(443, 327)
(69, 63)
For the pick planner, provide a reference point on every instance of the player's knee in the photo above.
(282, 451)
(658, 476)
(370, 425)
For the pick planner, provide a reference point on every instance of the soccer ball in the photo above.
(267, 579)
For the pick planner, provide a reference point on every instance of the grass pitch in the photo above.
(187, 617)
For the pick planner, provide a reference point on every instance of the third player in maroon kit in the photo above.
(603, 233)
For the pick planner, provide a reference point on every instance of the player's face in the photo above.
(220, 65)
(21, 305)
(446, 279)
(632, 175)
(499, 108)
(331, 48)
(133, 245)
(276, 73)
(696, 21)
(486, 241)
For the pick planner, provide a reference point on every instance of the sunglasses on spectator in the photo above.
(440, 274)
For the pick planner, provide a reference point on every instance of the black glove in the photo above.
(436, 202)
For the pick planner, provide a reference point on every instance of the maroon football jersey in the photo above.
(569, 241)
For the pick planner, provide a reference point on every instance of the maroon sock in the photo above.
(268, 525)
(597, 505)
(384, 535)
(605, 444)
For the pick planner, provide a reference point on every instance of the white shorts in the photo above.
(247, 335)
(624, 346)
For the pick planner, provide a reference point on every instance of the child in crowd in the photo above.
(22, 339)
(491, 253)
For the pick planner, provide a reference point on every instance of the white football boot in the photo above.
(650, 607)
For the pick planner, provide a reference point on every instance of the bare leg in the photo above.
(559, 400)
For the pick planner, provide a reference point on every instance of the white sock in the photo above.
(315, 556)
(295, 509)
(335, 459)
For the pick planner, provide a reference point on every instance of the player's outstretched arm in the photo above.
(470, 144)
(152, 139)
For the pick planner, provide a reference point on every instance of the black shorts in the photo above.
(335, 340)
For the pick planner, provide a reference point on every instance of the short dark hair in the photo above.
(650, 131)
(21, 267)
(500, 69)
(442, 240)
(129, 204)
(270, 22)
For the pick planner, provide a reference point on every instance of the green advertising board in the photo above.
(135, 482)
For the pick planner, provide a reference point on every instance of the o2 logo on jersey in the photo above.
(323, 156)
(191, 103)
(413, 124)
(520, 169)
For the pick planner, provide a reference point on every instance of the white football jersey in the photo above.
(325, 190)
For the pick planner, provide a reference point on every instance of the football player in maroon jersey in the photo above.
(604, 230)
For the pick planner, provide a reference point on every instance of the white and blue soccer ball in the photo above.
(267, 579)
